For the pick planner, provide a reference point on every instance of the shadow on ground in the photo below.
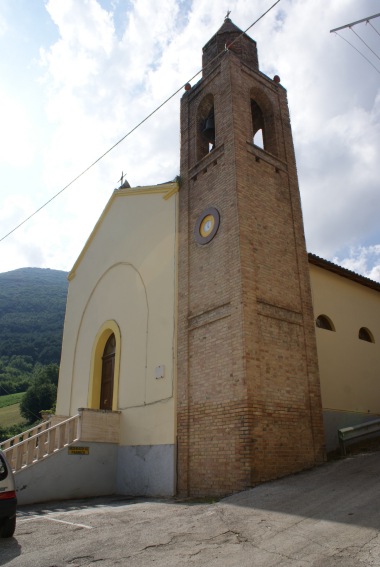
(345, 491)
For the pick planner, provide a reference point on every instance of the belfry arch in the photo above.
(263, 122)
(206, 133)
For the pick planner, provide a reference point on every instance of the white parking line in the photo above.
(54, 520)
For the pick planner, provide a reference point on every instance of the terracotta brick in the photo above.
(249, 406)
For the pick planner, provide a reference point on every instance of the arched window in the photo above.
(205, 127)
(324, 322)
(366, 335)
(257, 125)
(264, 124)
(108, 373)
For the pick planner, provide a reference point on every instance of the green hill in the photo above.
(32, 310)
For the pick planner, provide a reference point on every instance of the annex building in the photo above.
(204, 349)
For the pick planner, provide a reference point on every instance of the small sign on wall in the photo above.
(160, 371)
(79, 450)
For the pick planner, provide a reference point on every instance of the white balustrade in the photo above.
(40, 441)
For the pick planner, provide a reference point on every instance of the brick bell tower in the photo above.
(249, 406)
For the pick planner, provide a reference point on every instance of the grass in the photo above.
(10, 399)
(10, 415)
(10, 410)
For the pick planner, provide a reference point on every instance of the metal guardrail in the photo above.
(37, 443)
(356, 431)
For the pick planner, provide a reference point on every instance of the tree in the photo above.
(48, 373)
(41, 394)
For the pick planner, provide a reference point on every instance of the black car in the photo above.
(8, 500)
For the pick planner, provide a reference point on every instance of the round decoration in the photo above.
(207, 225)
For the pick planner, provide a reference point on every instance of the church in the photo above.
(205, 350)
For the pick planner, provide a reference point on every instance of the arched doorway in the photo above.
(105, 366)
(108, 373)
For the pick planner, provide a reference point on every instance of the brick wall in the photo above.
(248, 389)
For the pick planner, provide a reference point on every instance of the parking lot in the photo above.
(327, 517)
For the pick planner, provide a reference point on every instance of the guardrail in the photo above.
(356, 431)
(37, 443)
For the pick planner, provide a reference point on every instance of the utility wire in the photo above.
(219, 54)
(128, 133)
(373, 27)
(362, 40)
(356, 49)
(350, 26)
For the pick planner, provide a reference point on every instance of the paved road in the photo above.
(327, 517)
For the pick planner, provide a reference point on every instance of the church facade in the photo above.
(196, 314)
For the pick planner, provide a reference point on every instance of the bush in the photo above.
(41, 394)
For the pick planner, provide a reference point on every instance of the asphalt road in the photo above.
(327, 517)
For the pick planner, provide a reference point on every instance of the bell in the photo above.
(208, 129)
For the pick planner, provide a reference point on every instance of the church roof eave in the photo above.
(344, 272)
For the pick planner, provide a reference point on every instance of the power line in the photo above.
(362, 40)
(360, 53)
(226, 48)
(350, 26)
(373, 27)
(128, 133)
(92, 165)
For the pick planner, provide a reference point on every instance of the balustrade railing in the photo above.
(40, 441)
(25, 435)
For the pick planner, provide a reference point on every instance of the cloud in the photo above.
(334, 105)
(115, 62)
(340, 180)
(5, 14)
(363, 260)
(17, 147)
(3, 25)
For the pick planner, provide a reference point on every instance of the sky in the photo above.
(78, 75)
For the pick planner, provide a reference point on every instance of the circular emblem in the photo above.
(207, 225)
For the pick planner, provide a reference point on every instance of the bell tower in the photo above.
(249, 406)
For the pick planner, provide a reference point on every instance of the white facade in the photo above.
(124, 282)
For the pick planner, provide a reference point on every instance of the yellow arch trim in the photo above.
(101, 338)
